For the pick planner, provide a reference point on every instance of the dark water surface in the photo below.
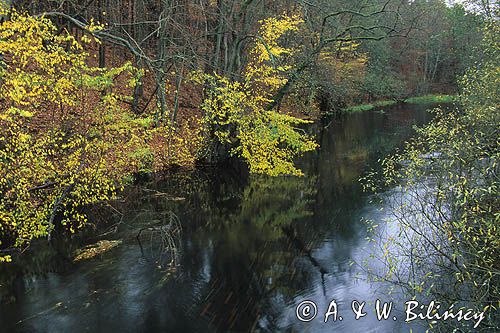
(251, 249)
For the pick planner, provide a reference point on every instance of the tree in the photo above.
(65, 139)
(235, 112)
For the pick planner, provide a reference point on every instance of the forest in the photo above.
(100, 96)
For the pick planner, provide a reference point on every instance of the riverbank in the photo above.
(426, 99)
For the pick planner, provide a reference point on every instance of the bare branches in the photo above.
(356, 13)
(103, 34)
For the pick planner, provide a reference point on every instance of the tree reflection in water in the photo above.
(251, 247)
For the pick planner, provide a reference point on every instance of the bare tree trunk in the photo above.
(102, 47)
(219, 35)
(436, 64)
(138, 36)
(177, 91)
(162, 54)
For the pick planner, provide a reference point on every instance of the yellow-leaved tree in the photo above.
(236, 114)
(66, 142)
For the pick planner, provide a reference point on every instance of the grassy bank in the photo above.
(427, 99)
(370, 106)
(430, 99)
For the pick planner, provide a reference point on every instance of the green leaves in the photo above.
(447, 207)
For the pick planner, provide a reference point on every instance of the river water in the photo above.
(250, 251)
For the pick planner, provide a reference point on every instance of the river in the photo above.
(251, 248)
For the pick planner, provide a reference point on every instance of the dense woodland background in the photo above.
(430, 45)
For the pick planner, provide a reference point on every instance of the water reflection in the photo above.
(251, 249)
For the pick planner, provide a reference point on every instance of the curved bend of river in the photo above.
(251, 249)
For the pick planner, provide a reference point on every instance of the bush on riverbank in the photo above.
(447, 243)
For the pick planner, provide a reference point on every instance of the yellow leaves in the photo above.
(85, 39)
(4, 8)
(5, 259)
(23, 138)
(270, 31)
(39, 66)
(95, 26)
(345, 64)
(94, 250)
(265, 67)
(66, 142)
(58, 151)
(270, 143)
(235, 112)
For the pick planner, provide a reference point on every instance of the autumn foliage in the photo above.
(69, 140)
(236, 113)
